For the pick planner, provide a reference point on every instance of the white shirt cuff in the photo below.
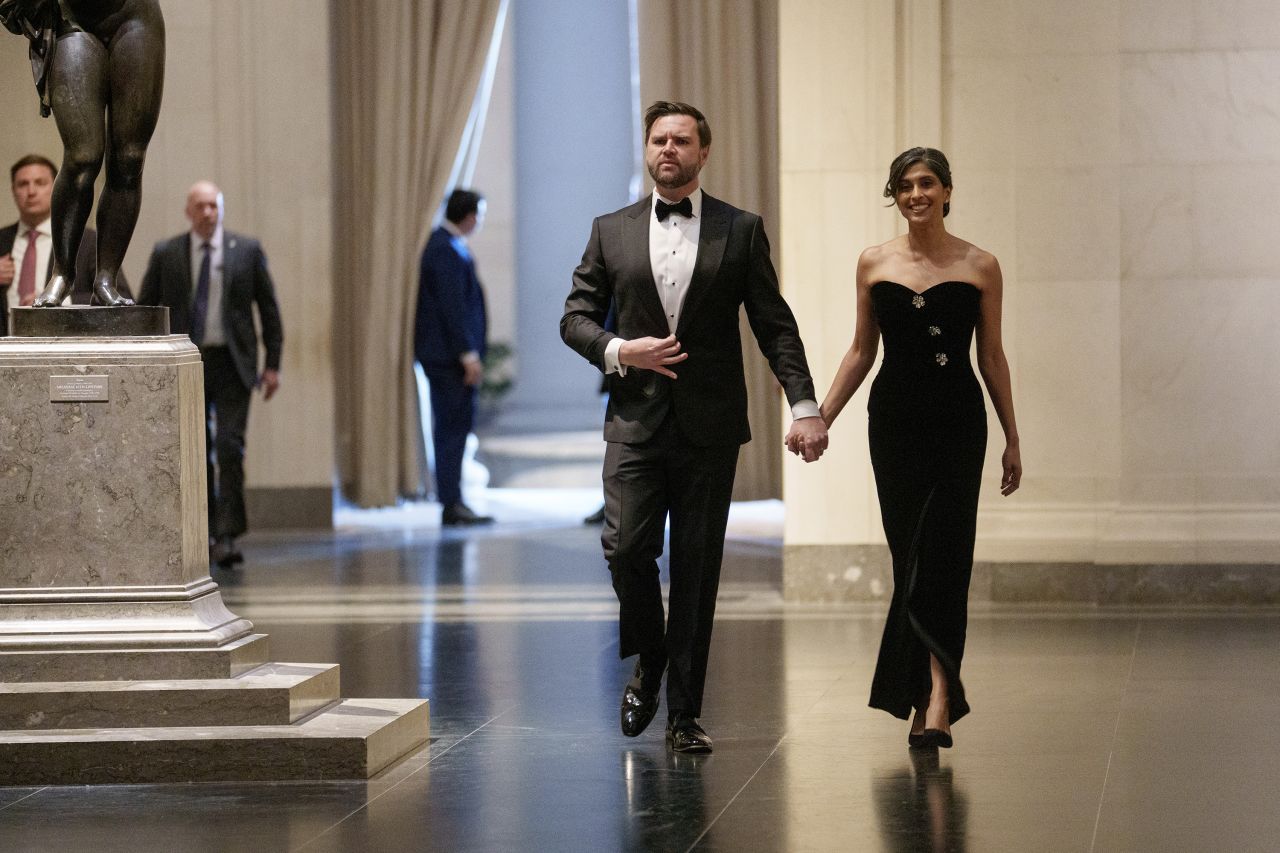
(805, 409)
(611, 363)
(469, 357)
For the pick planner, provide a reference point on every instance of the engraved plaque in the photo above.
(78, 389)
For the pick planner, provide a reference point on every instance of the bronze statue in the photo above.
(99, 65)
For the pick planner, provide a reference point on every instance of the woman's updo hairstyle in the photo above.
(932, 158)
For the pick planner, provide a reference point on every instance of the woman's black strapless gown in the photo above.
(928, 437)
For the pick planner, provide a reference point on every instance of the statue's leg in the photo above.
(78, 94)
(137, 80)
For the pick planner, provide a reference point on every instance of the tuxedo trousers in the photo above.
(646, 483)
(226, 403)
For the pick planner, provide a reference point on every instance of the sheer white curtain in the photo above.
(722, 57)
(409, 91)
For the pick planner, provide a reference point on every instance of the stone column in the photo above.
(858, 82)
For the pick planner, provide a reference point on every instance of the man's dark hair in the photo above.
(461, 204)
(31, 160)
(658, 109)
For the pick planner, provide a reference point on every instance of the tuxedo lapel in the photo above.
(713, 234)
(636, 242)
(230, 263)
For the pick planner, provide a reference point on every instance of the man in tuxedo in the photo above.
(677, 267)
(211, 279)
(26, 246)
(449, 334)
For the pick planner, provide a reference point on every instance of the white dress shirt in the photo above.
(44, 248)
(673, 252)
(214, 333)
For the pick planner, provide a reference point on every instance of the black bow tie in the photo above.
(663, 210)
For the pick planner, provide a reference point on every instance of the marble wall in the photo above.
(1121, 161)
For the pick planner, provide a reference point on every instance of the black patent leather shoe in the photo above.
(638, 705)
(461, 515)
(685, 735)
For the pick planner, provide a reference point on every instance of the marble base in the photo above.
(105, 536)
(864, 573)
(273, 694)
(354, 738)
(225, 661)
(119, 661)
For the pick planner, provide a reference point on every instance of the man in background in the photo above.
(449, 342)
(26, 246)
(211, 279)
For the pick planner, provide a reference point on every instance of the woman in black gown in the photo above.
(926, 293)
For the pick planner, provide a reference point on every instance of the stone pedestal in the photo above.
(119, 661)
(105, 536)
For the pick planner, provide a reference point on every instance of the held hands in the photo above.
(6, 270)
(807, 438)
(652, 354)
(1012, 464)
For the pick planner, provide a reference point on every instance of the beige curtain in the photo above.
(407, 74)
(722, 57)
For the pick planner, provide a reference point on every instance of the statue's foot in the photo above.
(53, 294)
(105, 293)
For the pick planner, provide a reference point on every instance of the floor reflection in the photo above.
(666, 800)
(921, 807)
(511, 633)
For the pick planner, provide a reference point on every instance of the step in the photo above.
(351, 739)
(234, 658)
(272, 694)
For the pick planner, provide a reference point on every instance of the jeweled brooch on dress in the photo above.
(935, 331)
(941, 358)
(917, 301)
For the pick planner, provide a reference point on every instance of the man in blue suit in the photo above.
(449, 343)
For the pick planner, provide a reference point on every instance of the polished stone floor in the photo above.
(1091, 731)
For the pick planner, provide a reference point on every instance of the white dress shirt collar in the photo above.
(197, 241)
(44, 229)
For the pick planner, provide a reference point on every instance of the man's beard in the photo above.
(682, 176)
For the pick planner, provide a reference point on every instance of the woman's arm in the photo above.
(857, 362)
(994, 368)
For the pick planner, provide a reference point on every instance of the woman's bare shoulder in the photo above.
(981, 267)
(874, 259)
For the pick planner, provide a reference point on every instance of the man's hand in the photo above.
(269, 383)
(807, 438)
(6, 270)
(472, 372)
(652, 354)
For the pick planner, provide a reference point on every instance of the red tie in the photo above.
(27, 278)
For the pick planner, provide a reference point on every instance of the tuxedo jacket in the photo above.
(450, 318)
(732, 271)
(245, 283)
(86, 269)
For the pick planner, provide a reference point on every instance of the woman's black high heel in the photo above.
(935, 738)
